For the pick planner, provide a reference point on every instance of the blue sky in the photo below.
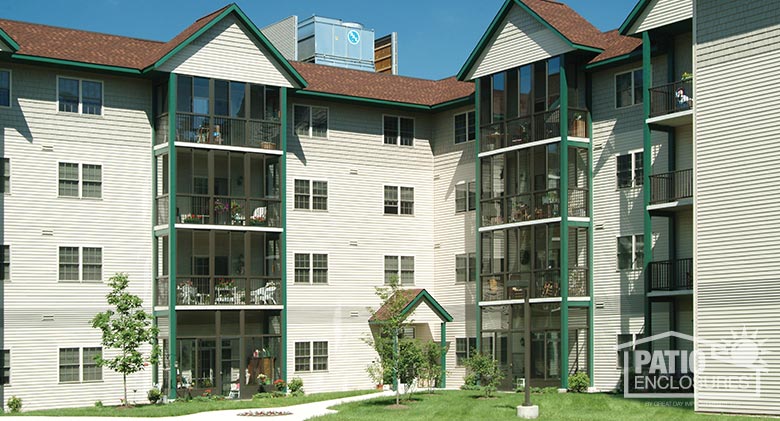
(435, 36)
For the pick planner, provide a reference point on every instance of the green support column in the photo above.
(647, 165)
(478, 213)
(155, 274)
(283, 250)
(443, 383)
(564, 210)
(591, 306)
(172, 235)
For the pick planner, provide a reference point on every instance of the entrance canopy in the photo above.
(411, 299)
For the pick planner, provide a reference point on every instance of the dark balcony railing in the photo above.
(204, 209)
(578, 202)
(218, 290)
(672, 186)
(540, 126)
(522, 207)
(197, 128)
(578, 282)
(543, 284)
(670, 275)
(671, 98)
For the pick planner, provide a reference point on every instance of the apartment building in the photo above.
(257, 202)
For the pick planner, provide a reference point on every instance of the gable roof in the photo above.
(75, 47)
(411, 298)
(557, 17)
(633, 16)
(343, 83)
(618, 48)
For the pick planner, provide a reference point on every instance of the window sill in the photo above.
(100, 116)
(311, 210)
(91, 199)
(465, 141)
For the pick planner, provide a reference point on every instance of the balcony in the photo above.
(221, 210)
(221, 291)
(672, 104)
(675, 188)
(540, 126)
(532, 206)
(543, 283)
(225, 131)
(671, 275)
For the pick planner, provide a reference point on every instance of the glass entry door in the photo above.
(230, 366)
(545, 354)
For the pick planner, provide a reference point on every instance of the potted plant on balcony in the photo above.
(258, 221)
(225, 291)
(191, 218)
(220, 211)
(236, 213)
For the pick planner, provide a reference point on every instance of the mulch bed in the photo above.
(264, 413)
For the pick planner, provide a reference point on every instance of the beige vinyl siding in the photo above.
(284, 36)
(737, 254)
(520, 39)
(355, 232)
(662, 12)
(227, 51)
(42, 314)
(454, 233)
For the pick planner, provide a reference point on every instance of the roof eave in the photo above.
(614, 60)
(633, 16)
(375, 101)
(9, 41)
(79, 64)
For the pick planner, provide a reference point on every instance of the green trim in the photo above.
(339, 97)
(424, 295)
(564, 234)
(494, 25)
(283, 250)
(478, 216)
(172, 235)
(591, 343)
(579, 303)
(80, 64)
(578, 143)
(633, 16)
(614, 60)
(8, 40)
(466, 100)
(443, 340)
(578, 224)
(233, 8)
(647, 163)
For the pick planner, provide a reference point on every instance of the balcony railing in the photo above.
(228, 291)
(197, 128)
(672, 186)
(671, 98)
(671, 275)
(543, 284)
(221, 210)
(532, 128)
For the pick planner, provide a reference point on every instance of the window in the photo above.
(80, 96)
(7, 175)
(464, 347)
(630, 169)
(392, 194)
(628, 88)
(310, 121)
(86, 183)
(398, 130)
(5, 88)
(465, 130)
(311, 268)
(311, 356)
(6, 263)
(465, 196)
(311, 194)
(79, 365)
(88, 268)
(6, 366)
(466, 267)
(631, 252)
(402, 273)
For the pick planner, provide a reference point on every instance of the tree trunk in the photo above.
(124, 381)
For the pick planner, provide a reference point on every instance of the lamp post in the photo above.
(527, 410)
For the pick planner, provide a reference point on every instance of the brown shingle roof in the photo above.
(93, 47)
(568, 22)
(381, 86)
(406, 296)
(616, 45)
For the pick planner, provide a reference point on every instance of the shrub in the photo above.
(14, 404)
(278, 394)
(98, 404)
(295, 386)
(579, 382)
(485, 371)
(258, 396)
(280, 385)
(154, 395)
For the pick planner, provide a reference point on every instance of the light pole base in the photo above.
(528, 412)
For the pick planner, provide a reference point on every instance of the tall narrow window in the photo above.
(465, 196)
(302, 194)
(465, 130)
(310, 121)
(6, 366)
(92, 372)
(407, 270)
(628, 88)
(407, 200)
(69, 365)
(6, 263)
(69, 263)
(5, 88)
(630, 169)
(391, 269)
(93, 181)
(320, 356)
(631, 252)
(92, 264)
(302, 356)
(499, 97)
(319, 192)
(6, 175)
(319, 268)
(69, 179)
(391, 200)
(302, 268)
(466, 267)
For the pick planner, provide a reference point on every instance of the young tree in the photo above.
(485, 372)
(126, 328)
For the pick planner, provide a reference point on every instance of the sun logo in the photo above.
(743, 349)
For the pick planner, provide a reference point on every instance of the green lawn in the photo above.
(462, 405)
(183, 408)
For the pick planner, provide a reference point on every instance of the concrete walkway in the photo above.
(299, 412)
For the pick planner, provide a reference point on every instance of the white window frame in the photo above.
(310, 365)
(81, 99)
(310, 280)
(398, 128)
(400, 270)
(455, 127)
(10, 266)
(81, 179)
(398, 189)
(633, 154)
(468, 202)
(8, 191)
(633, 89)
(311, 134)
(10, 88)
(468, 256)
(80, 364)
(634, 265)
(311, 194)
(81, 280)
